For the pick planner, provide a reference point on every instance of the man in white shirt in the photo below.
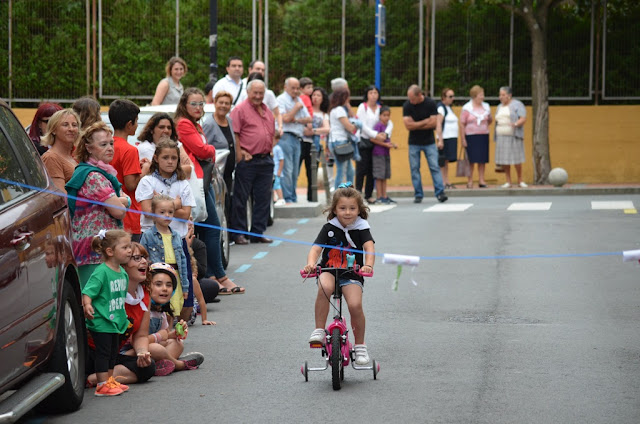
(294, 116)
(254, 66)
(232, 82)
(269, 96)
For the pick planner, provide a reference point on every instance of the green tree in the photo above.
(535, 14)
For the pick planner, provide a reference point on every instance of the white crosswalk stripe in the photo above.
(531, 206)
(449, 207)
(612, 204)
(380, 208)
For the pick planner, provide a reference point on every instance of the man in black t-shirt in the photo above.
(419, 116)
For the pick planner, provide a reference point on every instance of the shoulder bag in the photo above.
(463, 167)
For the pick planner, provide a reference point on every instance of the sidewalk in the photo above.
(305, 209)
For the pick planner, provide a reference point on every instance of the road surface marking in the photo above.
(243, 268)
(260, 255)
(533, 206)
(451, 207)
(612, 204)
(380, 208)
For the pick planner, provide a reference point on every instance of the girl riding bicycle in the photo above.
(346, 228)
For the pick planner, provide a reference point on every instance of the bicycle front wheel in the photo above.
(336, 358)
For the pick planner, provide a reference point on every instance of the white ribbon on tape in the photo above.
(631, 255)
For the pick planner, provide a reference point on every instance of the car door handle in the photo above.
(21, 240)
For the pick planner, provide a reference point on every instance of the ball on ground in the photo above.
(558, 177)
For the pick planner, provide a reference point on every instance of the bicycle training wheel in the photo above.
(336, 358)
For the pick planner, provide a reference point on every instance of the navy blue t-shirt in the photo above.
(334, 236)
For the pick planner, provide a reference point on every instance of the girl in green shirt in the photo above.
(103, 300)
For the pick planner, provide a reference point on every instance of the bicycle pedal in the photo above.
(315, 345)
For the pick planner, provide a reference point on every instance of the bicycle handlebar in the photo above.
(356, 268)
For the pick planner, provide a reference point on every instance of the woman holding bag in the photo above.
(446, 134)
(509, 135)
(341, 131)
(474, 128)
(189, 111)
(369, 114)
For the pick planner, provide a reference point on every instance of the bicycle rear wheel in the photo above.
(336, 358)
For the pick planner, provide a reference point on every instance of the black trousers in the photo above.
(305, 156)
(253, 178)
(107, 345)
(364, 169)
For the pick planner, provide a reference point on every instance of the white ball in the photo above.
(558, 177)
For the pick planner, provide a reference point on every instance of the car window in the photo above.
(26, 152)
(13, 183)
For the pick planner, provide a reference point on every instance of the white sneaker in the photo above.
(280, 202)
(523, 185)
(317, 336)
(505, 185)
(362, 357)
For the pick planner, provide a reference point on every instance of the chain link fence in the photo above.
(60, 50)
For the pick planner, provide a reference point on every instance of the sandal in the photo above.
(236, 289)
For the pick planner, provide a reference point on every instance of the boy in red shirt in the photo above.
(306, 89)
(123, 115)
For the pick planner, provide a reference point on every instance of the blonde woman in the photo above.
(62, 133)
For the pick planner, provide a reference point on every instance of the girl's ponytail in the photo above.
(107, 239)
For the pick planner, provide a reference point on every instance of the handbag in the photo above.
(207, 173)
(199, 211)
(343, 151)
(463, 167)
(365, 143)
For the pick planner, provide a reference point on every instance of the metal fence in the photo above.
(60, 50)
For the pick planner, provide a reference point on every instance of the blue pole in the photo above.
(377, 46)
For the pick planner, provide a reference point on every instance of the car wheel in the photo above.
(68, 355)
(224, 238)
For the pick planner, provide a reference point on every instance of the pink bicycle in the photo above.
(337, 349)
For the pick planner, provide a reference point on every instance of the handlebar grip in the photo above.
(366, 274)
(313, 273)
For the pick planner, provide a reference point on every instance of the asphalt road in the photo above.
(518, 316)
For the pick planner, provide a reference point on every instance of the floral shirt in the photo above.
(90, 218)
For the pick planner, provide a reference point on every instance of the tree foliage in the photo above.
(472, 45)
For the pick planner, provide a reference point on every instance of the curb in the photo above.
(306, 209)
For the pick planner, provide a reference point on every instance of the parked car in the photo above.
(219, 186)
(42, 332)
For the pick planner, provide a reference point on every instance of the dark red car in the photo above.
(42, 333)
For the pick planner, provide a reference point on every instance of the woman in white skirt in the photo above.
(509, 135)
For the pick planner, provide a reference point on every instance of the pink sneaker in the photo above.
(164, 367)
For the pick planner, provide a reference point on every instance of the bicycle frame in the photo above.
(339, 323)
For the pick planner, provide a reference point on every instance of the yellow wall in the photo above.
(594, 144)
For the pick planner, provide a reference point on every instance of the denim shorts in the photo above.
(347, 281)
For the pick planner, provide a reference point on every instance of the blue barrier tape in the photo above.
(305, 243)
